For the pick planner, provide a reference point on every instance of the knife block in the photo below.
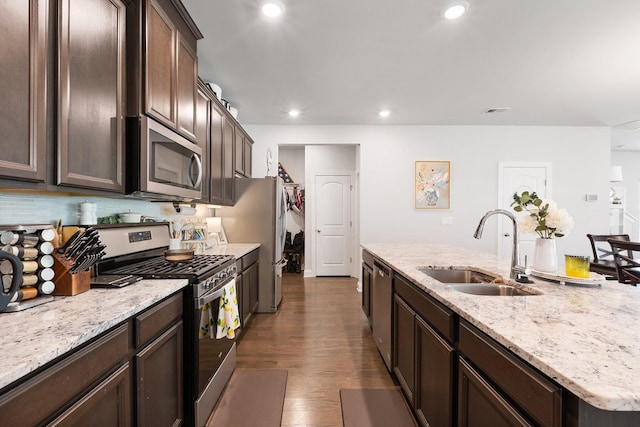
(69, 284)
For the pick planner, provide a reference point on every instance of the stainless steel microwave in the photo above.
(161, 164)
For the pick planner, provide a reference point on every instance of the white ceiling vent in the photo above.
(496, 110)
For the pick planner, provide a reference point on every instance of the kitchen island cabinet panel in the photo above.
(424, 362)
(435, 377)
(23, 87)
(539, 397)
(91, 96)
(404, 347)
(479, 405)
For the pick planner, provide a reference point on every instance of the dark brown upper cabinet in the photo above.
(91, 94)
(203, 136)
(170, 66)
(23, 107)
(242, 153)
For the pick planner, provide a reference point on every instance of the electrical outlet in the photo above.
(447, 220)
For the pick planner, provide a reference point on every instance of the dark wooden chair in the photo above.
(603, 261)
(627, 259)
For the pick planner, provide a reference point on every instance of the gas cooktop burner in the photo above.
(159, 268)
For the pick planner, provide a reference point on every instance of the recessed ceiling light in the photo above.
(456, 10)
(294, 113)
(384, 113)
(272, 9)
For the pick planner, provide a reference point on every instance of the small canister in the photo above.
(47, 235)
(27, 280)
(46, 288)
(46, 261)
(21, 252)
(46, 274)
(25, 239)
(46, 248)
(27, 267)
(24, 294)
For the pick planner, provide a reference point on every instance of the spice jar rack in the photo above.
(34, 245)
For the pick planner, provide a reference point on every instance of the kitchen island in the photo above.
(585, 339)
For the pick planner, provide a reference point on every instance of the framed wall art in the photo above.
(432, 184)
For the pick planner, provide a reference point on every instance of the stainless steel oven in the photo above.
(161, 164)
(208, 362)
(215, 359)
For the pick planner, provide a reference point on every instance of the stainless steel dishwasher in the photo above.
(381, 304)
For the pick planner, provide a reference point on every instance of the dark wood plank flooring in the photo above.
(321, 336)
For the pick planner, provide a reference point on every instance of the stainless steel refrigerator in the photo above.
(260, 216)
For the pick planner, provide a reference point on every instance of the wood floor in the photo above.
(321, 336)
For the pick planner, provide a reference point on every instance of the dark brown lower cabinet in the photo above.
(424, 364)
(435, 370)
(160, 380)
(134, 368)
(404, 347)
(247, 283)
(480, 405)
(107, 405)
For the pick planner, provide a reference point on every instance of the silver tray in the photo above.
(594, 279)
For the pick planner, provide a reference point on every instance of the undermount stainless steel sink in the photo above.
(475, 283)
(493, 289)
(457, 275)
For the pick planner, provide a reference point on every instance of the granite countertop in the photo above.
(31, 338)
(585, 338)
(236, 249)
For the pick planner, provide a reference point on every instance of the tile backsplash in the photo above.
(22, 208)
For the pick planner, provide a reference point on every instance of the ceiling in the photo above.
(570, 62)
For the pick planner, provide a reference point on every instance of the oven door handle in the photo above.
(208, 297)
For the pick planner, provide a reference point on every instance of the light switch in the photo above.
(447, 220)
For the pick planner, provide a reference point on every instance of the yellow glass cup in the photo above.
(577, 266)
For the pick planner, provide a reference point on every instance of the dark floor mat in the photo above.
(253, 397)
(375, 408)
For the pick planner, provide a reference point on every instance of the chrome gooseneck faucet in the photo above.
(518, 272)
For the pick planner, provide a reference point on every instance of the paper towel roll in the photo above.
(186, 211)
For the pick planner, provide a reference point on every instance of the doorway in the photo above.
(304, 163)
(516, 177)
(334, 235)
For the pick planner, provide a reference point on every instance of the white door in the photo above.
(333, 225)
(516, 178)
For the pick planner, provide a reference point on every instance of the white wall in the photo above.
(629, 160)
(580, 157)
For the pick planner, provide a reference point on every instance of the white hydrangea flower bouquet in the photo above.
(544, 219)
